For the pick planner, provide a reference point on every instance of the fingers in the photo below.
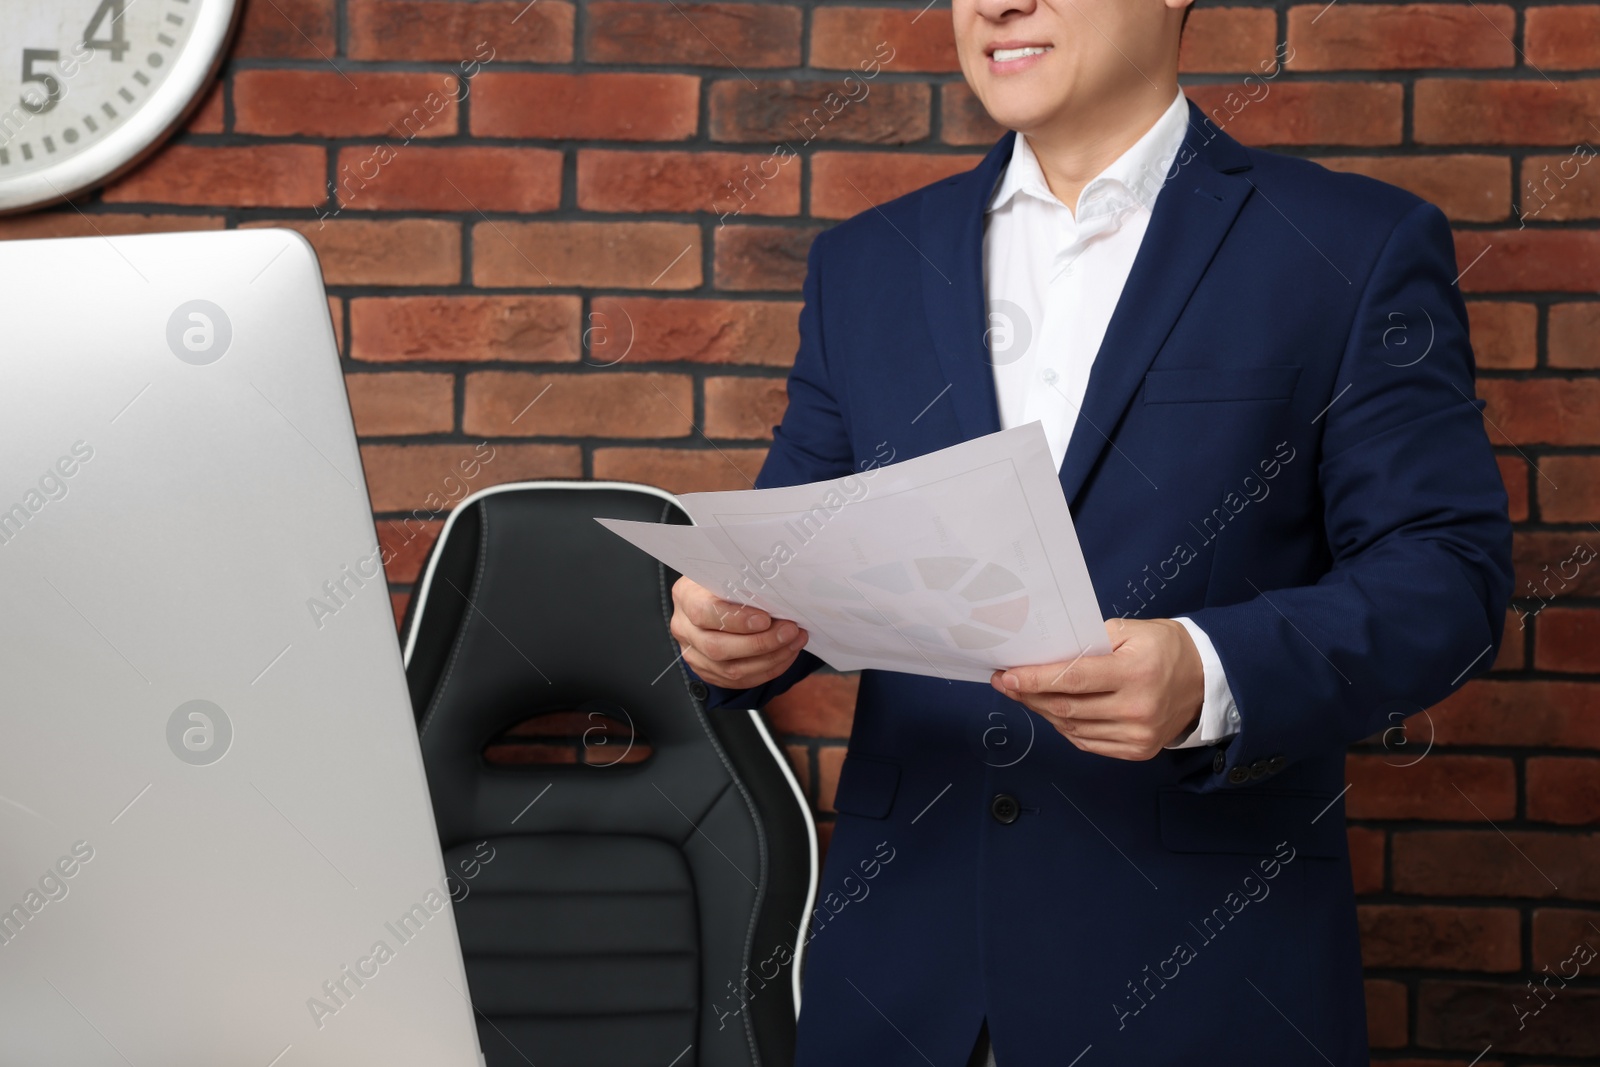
(1114, 750)
(722, 629)
(1107, 724)
(1114, 738)
(749, 671)
(1086, 674)
(729, 644)
(708, 611)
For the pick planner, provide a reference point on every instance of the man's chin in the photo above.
(1025, 114)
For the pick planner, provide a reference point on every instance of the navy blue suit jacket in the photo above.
(1280, 440)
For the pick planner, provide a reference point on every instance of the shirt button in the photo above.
(1004, 808)
(1049, 376)
(1233, 716)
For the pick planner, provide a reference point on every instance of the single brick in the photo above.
(897, 39)
(277, 175)
(487, 32)
(627, 255)
(1304, 113)
(1535, 713)
(1569, 488)
(618, 107)
(331, 103)
(847, 183)
(1492, 112)
(397, 403)
(770, 258)
(1469, 188)
(1559, 188)
(1491, 863)
(740, 36)
(744, 408)
(1403, 783)
(601, 404)
(1401, 36)
(1440, 938)
(389, 252)
(1504, 334)
(1229, 40)
(468, 179)
(1555, 411)
(466, 328)
(1562, 37)
(719, 183)
(1564, 789)
(791, 114)
(1573, 338)
(672, 329)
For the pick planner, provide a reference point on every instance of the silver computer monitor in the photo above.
(216, 842)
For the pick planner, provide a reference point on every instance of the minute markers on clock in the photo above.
(116, 45)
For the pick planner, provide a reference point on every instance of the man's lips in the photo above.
(1014, 55)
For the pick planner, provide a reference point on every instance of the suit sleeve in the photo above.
(811, 444)
(1415, 515)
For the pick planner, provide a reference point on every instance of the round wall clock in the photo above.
(87, 87)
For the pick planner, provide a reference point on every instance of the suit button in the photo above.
(1004, 808)
(1258, 769)
(698, 690)
(1219, 760)
(1239, 774)
(1276, 764)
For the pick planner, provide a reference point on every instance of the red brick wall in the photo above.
(566, 223)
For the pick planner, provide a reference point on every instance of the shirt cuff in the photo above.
(1219, 715)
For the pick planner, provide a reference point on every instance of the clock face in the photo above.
(88, 86)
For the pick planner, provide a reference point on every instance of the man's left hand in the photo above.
(1127, 705)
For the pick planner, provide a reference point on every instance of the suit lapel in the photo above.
(1192, 214)
(953, 289)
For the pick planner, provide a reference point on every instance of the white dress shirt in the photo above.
(1052, 278)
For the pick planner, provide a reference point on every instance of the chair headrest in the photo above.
(530, 606)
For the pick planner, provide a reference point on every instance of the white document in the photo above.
(953, 564)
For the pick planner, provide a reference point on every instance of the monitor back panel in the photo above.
(216, 843)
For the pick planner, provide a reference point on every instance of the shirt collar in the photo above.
(1140, 171)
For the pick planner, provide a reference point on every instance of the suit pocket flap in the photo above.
(1198, 384)
(866, 787)
(1251, 823)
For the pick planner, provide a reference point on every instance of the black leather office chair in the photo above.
(634, 912)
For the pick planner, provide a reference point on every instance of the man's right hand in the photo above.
(729, 644)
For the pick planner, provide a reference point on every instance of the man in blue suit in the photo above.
(1256, 377)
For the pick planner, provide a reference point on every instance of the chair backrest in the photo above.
(620, 910)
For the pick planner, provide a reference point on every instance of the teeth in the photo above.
(1003, 55)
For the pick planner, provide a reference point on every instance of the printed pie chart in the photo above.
(944, 601)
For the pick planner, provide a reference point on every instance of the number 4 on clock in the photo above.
(117, 43)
